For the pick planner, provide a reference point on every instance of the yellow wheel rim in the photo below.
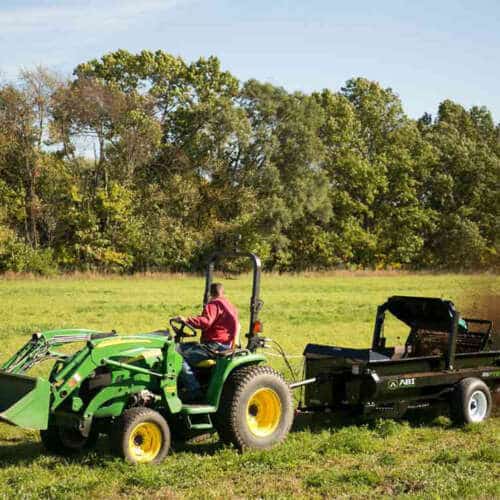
(263, 412)
(145, 442)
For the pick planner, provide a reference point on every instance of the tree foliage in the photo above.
(146, 162)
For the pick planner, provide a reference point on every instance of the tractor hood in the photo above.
(421, 312)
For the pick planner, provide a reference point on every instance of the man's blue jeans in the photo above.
(193, 353)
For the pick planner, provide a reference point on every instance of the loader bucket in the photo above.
(24, 401)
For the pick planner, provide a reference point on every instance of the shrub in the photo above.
(17, 256)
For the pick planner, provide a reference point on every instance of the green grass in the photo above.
(321, 458)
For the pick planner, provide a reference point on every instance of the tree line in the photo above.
(145, 162)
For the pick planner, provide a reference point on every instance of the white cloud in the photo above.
(61, 33)
(78, 16)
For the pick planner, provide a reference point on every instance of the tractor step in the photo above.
(202, 426)
(198, 416)
(198, 409)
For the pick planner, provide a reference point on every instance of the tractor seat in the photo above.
(206, 363)
(210, 363)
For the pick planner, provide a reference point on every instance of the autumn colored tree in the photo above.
(143, 162)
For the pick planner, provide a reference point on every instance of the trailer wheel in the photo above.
(62, 441)
(471, 401)
(141, 436)
(256, 409)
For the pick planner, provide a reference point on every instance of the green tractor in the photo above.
(127, 387)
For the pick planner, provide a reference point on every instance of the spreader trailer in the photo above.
(445, 360)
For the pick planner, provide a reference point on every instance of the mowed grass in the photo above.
(423, 457)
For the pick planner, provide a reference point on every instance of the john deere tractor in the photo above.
(127, 387)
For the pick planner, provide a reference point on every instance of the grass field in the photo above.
(321, 458)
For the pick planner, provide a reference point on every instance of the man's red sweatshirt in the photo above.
(218, 322)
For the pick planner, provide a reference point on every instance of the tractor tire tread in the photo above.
(53, 442)
(130, 418)
(223, 413)
(226, 419)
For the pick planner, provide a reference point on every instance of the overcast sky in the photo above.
(425, 50)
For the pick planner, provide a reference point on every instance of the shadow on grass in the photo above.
(321, 421)
(201, 445)
(25, 453)
(21, 453)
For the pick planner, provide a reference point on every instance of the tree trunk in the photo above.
(30, 197)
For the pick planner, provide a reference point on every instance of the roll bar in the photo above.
(255, 302)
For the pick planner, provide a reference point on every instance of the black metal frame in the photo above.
(487, 334)
(378, 342)
(255, 302)
(452, 342)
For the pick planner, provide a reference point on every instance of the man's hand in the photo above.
(182, 319)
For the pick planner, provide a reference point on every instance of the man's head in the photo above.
(216, 290)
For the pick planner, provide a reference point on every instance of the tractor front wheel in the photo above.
(256, 409)
(141, 436)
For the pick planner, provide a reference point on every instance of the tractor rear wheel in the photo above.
(256, 409)
(141, 436)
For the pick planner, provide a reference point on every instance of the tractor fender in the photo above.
(224, 368)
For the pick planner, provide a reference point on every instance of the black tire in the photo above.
(62, 441)
(255, 410)
(51, 440)
(141, 435)
(471, 401)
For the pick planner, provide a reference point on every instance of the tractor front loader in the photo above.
(127, 387)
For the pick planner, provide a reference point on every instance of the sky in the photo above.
(426, 51)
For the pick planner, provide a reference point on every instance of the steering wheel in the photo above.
(179, 328)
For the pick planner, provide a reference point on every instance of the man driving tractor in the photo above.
(220, 326)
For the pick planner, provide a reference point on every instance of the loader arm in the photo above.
(28, 402)
(41, 347)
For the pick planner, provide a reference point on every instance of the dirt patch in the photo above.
(486, 306)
